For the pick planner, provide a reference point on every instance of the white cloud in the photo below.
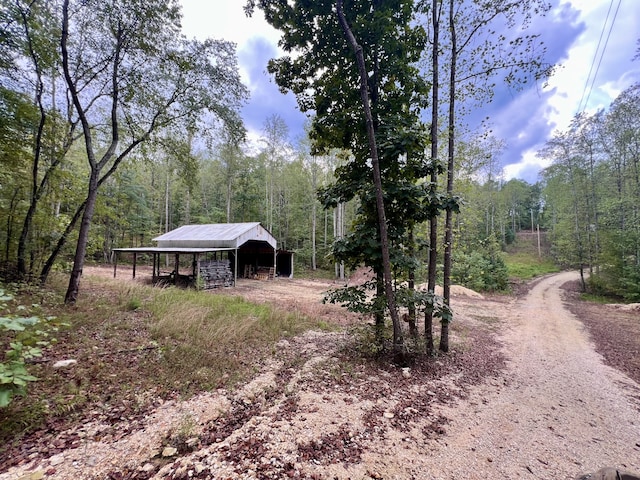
(525, 122)
(575, 90)
(224, 19)
(524, 168)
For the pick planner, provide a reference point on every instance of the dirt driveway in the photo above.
(560, 411)
(553, 411)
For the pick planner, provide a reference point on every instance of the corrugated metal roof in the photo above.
(215, 235)
(171, 250)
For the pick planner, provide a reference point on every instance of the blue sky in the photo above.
(524, 120)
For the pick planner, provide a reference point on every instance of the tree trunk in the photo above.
(433, 222)
(10, 218)
(379, 315)
(448, 225)
(314, 220)
(83, 238)
(411, 317)
(398, 340)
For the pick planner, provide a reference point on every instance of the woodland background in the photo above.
(188, 162)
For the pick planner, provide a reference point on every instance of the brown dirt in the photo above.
(614, 331)
(521, 395)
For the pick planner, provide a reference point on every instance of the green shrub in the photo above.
(481, 270)
(23, 336)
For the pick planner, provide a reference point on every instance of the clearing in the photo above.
(523, 394)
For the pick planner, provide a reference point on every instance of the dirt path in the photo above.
(561, 410)
(555, 412)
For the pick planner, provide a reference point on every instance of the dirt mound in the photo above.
(361, 275)
(456, 290)
(630, 307)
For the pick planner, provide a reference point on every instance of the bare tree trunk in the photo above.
(433, 222)
(313, 237)
(10, 218)
(448, 225)
(398, 340)
(229, 201)
(338, 229)
(314, 220)
(413, 328)
(83, 238)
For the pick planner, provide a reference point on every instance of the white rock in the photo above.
(56, 460)
(169, 451)
(64, 363)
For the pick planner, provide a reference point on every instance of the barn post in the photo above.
(235, 268)
(176, 271)
(115, 262)
(135, 258)
(156, 257)
(196, 269)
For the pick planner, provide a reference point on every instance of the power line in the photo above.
(581, 107)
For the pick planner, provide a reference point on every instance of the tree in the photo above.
(31, 39)
(476, 54)
(398, 341)
(592, 192)
(275, 138)
(383, 147)
(565, 184)
(109, 49)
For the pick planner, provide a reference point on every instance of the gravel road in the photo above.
(560, 412)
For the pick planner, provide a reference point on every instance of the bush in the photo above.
(481, 270)
(24, 335)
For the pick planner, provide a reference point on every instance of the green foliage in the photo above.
(592, 191)
(23, 337)
(361, 299)
(482, 269)
(479, 272)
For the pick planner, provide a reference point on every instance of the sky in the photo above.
(589, 76)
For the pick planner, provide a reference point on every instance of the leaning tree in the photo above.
(130, 73)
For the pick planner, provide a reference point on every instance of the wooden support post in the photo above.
(156, 261)
(135, 259)
(115, 263)
(177, 269)
(235, 268)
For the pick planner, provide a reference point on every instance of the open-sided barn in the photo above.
(220, 253)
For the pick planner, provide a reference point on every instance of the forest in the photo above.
(91, 161)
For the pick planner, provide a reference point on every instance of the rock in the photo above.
(56, 460)
(64, 363)
(388, 415)
(406, 372)
(38, 475)
(169, 451)
(148, 467)
(192, 442)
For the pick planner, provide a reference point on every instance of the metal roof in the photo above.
(215, 235)
(170, 250)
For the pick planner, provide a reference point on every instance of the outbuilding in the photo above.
(219, 253)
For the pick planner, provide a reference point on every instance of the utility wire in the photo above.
(581, 107)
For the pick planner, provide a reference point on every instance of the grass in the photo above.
(597, 298)
(525, 266)
(136, 344)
